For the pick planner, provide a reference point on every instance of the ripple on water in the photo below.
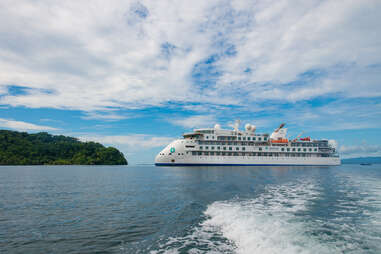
(280, 221)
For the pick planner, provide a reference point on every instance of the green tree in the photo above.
(21, 148)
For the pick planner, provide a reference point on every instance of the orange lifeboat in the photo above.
(282, 140)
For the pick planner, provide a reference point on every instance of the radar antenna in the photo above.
(236, 125)
(280, 127)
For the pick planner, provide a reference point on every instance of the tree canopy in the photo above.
(21, 148)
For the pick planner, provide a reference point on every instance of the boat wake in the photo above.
(298, 217)
(266, 224)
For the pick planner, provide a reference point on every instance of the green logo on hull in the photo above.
(172, 150)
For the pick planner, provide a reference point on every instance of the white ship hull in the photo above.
(246, 161)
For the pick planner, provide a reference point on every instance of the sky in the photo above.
(137, 74)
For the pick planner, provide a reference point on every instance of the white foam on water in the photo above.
(269, 223)
(285, 219)
(266, 224)
(203, 239)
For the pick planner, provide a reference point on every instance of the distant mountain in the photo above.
(21, 148)
(373, 160)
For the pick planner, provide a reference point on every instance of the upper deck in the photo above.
(236, 140)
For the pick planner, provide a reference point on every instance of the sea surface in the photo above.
(147, 209)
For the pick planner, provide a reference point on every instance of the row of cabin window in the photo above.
(260, 149)
(239, 138)
(235, 143)
(256, 154)
(251, 143)
(206, 131)
(310, 144)
(298, 149)
(223, 148)
(171, 153)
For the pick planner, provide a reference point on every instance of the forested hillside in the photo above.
(21, 148)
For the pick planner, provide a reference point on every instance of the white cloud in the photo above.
(137, 148)
(133, 142)
(128, 54)
(347, 114)
(107, 116)
(197, 121)
(285, 41)
(23, 126)
(363, 150)
(3, 90)
(92, 56)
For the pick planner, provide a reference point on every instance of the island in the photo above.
(21, 148)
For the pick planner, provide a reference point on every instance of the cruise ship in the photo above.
(219, 147)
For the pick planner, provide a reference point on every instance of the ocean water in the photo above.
(147, 209)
